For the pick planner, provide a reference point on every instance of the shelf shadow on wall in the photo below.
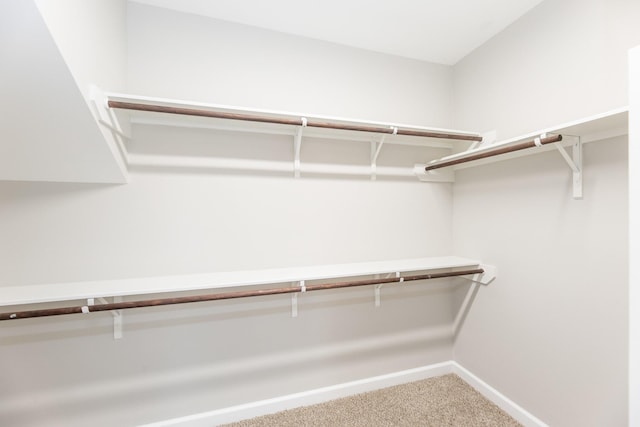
(278, 171)
(464, 306)
(202, 151)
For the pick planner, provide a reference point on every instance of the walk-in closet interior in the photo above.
(212, 211)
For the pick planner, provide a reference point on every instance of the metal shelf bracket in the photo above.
(575, 163)
(117, 315)
(490, 273)
(294, 298)
(297, 143)
(376, 288)
(106, 117)
(375, 152)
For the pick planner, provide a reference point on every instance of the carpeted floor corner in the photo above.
(435, 402)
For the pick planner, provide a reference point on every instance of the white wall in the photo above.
(561, 61)
(184, 56)
(190, 359)
(634, 237)
(553, 340)
(554, 323)
(182, 360)
(45, 118)
(91, 36)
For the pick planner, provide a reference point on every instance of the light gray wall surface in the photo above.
(634, 236)
(552, 328)
(552, 338)
(550, 331)
(184, 56)
(179, 361)
(564, 60)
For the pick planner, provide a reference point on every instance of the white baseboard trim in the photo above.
(311, 397)
(324, 394)
(503, 402)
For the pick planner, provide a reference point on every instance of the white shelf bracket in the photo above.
(377, 288)
(488, 138)
(490, 273)
(106, 117)
(294, 305)
(375, 152)
(575, 163)
(117, 320)
(294, 298)
(374, 149)
(297, 143)
(376, 294)
(116, 314)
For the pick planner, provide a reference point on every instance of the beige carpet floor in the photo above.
(441, 401)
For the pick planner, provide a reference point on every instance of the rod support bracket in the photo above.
(117, 315)
(297, 143)
(107, 118)
(376, 294)
(294, 298)
(489, 275)
(375, 152)
(377, 288)
(575, 164)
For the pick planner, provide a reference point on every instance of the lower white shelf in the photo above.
(53, 292)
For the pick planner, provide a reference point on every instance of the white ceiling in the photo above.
(442, 31)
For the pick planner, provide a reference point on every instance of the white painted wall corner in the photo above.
(324, 394)
(523, 416)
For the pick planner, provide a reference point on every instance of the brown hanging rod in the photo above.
(502, 150)
(226, 295)
(287, 121)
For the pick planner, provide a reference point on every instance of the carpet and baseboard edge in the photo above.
(324, 394)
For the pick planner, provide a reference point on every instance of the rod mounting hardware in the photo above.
(106, 117)
(116, 314)
(376, 294)
(575, 164)
(486, 276)
(294, 298)
(297, 143)
(375, 152)
(377, 290)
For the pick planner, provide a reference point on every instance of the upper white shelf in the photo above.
(589, 129)
(162, 111)
(30, 294)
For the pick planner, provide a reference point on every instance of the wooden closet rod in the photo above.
(287, 121)
(508, 149)
(225, 295)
